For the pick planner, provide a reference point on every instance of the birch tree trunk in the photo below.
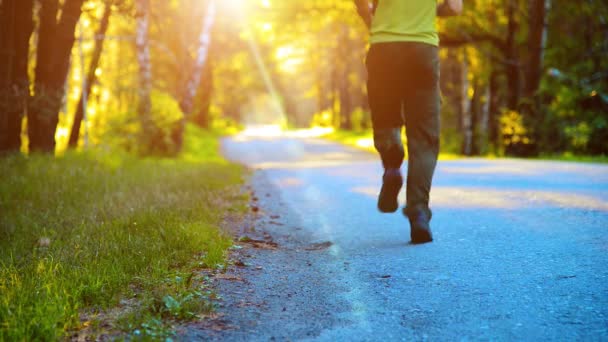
(204, 41)
(142, 44)
(193, 83)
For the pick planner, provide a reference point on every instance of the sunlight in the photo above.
(263, 131)
(266, 27)
(233, 8)
(284, 52)
(313, 132)
(289, 58)
(232, 4)
(365, 143)
(61, 136)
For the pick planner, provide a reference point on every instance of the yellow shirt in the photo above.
(405, 21)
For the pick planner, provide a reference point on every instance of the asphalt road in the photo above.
(520, 251)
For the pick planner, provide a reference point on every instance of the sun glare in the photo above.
(289, 58)
(232, 7)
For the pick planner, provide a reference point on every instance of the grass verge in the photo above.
(570, 157)
(364, 140)
(87, 232)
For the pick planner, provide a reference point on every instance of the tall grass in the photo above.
(80, 232)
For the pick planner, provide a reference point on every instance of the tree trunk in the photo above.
(14, 84)
(204, 42)
(493, 111)
(534, 65)
(99, 41)
(451, 78)
(345, 53)
(512, 56)
(7, 9)
(55, 43)
(536, 46)
(483, 133)
(201, 118)
(345, 105)
(476, 117)
(194, 82)
(319, 85)
(467, 124)
(334, 93)
(142, 44)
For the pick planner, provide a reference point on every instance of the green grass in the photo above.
(570, 157)
(364, 140)
(82, 232)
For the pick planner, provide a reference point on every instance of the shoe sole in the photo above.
(388, 199)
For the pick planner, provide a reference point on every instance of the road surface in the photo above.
(520, 251)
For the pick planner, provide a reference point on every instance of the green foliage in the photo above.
(166, 115)
(513, 128)
(83, 231)
(578, 122)
(308, 57)
(575, 88)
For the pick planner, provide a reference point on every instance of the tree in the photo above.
(55, 42)
(194, 81)
(15, 31)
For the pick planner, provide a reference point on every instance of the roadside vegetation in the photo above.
(363, 139)
(85, 233)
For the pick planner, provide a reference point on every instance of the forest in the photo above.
(519, 78)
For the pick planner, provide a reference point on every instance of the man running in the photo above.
(403, 90)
